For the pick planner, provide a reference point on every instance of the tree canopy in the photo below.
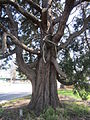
(42, 32)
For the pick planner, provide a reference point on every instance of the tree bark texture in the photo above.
(44, 93)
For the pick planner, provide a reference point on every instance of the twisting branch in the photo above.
(17, 42)
(29, 16)
(62, 23)
(75, 34)
(61, 76)
(67, 83)
(23, 67)
(59, 71)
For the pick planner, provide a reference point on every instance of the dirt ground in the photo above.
(13, 110)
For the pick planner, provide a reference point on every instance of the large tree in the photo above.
(38, 32)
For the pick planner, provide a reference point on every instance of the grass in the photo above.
(80, 110)
(69, 93)
(69, 110)
(15, 101)
(1, 111)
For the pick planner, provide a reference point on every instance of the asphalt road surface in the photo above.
(10, 91)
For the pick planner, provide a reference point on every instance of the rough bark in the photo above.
(45, 87)
(44, 92)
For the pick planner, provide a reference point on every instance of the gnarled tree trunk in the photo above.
(45, 87)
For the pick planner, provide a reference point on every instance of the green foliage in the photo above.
(83, 93)
(77, 68)
(75, 59)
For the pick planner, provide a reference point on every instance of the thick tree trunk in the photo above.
(45, 87)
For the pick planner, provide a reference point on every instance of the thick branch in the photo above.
(23, 66)
(59, 71)
(29, 16)
(44, 19)
(68, 7)
(19, 57)
(46, 15)
(17, 42)
(75, 34)
(34, 5)
(62, 77)
(67, 83)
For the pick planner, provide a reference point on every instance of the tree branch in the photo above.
(30, 73)
(67, 83)
(62, 23)
(75, 34)
(17, 42)
(59, 71)
(62, 76)
(44, 19)
(29, 16)
(34, 5)
(23, 66)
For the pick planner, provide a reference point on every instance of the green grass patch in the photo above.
(15, 101)
(69, 93)
(75, 108)
(68, 111)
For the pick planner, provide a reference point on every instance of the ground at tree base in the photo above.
(70, 109)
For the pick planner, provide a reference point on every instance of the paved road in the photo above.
(9, 91)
